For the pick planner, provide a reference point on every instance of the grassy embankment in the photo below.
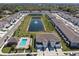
(48, 25)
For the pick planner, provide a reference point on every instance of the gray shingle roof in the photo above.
(72, 19)
(70, 34)
(12, 39)
(3, 23)
(46, 37)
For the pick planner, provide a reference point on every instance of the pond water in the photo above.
(36, 25)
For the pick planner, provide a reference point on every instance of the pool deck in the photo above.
(27, 44)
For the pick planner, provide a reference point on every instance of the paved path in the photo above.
(39, 53)
(3, 46)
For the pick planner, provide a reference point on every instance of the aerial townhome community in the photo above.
(39, 33)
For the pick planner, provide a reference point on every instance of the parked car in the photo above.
(72, 54)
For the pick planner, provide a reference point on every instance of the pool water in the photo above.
(36, 25)
(23, 42)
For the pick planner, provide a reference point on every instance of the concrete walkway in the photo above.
(60, 52)
(50, 53)
(3, 46)
(39, 53)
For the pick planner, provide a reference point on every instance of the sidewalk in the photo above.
(39, 53)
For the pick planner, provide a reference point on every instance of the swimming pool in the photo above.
(23, 42)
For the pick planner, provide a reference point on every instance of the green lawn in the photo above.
(48, 25)
(64, 46)
(6, 49)
(33, 44)
(22, 29)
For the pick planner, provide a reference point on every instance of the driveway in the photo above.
(39, 53)
(60, 52)
(49, 53)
